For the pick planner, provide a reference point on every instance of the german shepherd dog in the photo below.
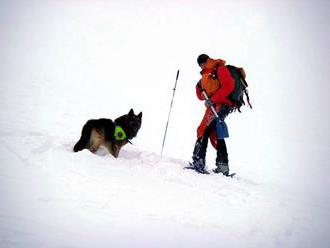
(102, 132)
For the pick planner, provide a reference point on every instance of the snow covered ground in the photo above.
(64, 62)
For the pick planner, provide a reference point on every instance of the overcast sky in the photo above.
(126, 53)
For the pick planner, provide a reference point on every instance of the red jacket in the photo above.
(227, 85)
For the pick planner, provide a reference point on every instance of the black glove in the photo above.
(208, 103)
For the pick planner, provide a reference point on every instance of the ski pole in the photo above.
(168, 118)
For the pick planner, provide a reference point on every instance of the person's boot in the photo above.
(222, 168)
(199, 153)
(198, 157)
(222, 158)
(199, 150)
(199, 165)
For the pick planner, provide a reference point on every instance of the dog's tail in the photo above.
(83, 142)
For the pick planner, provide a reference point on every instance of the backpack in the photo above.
(237, 96)
(210, 84)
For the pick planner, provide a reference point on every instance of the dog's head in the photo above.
(134, 122)
(131, 123)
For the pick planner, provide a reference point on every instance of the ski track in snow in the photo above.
(137, 191)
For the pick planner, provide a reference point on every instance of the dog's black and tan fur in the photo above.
(101, 132)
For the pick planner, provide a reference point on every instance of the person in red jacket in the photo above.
(217, 83)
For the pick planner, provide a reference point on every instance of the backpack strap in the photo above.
(247, 98)
(245, 84)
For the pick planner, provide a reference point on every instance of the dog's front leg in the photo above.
(114, 148)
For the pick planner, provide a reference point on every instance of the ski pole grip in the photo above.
(205, 95)
(177, 74)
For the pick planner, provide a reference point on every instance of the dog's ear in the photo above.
(140, 115)
(131, 112)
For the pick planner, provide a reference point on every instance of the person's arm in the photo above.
(227, 86)
(199, 91)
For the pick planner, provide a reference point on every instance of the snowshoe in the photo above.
(199, 170)
(226, 174)
(198, 166)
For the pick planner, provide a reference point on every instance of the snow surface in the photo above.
(64, 62)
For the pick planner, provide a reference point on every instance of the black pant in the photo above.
(201, 146)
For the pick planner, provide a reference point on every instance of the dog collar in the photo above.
(119, 133)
